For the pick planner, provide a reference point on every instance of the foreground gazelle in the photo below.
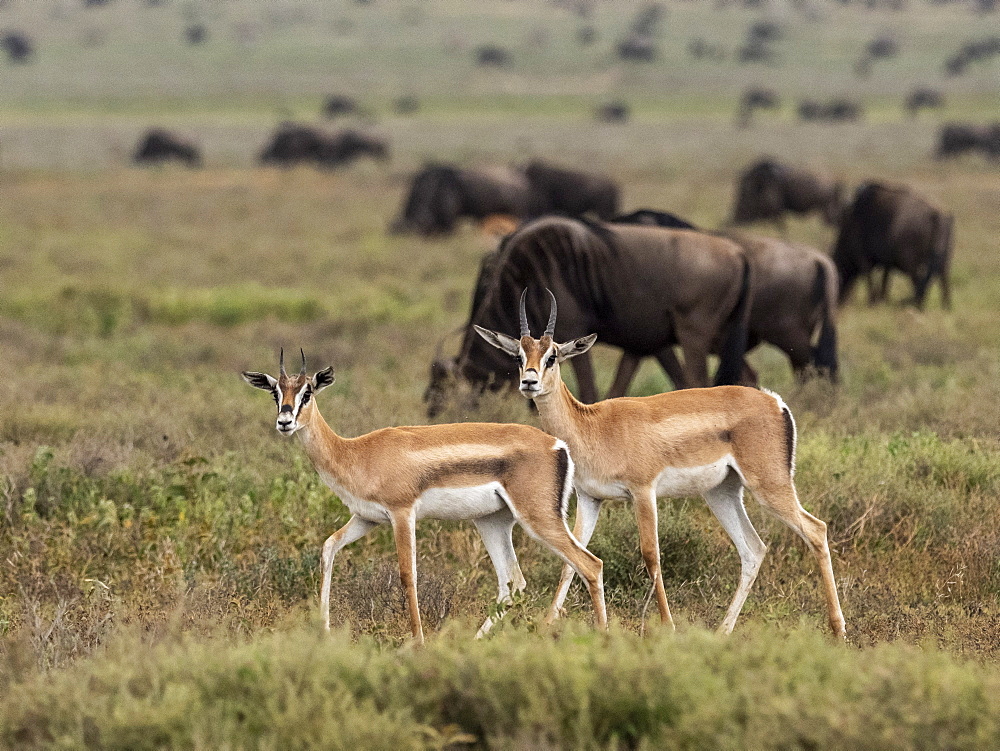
(712, 441)
(494, 475)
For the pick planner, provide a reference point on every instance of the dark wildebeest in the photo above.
(643, 289)
(835, 110)
(653, 218)
(753, 100)
(442, 194)
(613, 112)
(493, 55)
(159, 146)
(794, 303)
(17, 46)
(337, 105)
(294, 144)
(956, 139)
(768, 189)
(572, 192)
(892, 227)
(922, 98)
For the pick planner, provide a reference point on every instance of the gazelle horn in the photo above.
(281, 362)
(524, 316)
(303, 371)
(550, 330)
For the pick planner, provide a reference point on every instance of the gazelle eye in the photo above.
(305, 397)
(551, 361)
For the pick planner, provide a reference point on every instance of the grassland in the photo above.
(159, 541)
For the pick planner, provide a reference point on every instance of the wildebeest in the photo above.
(406, 104)
(441, 194)
(835, 110)
(572, 192)
(642, 289)
(159, 146)
(613, 112)
(956, 139)
(493, 55)
(767, 189)
(753, 100)
(892, 227)
(337, 105)
(653, 218)
(923, 97)
(196, 33)
(793, 307)
(18, 47)
(294, 143)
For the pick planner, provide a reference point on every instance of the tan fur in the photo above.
(384, 473)
(622, 446)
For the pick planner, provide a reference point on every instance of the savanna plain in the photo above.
(159, 541)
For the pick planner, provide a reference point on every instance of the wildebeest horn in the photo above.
(281, 361)
(303, 371)
(524, 316)
(550, 330)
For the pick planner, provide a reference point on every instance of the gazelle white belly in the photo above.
(460, 503)
(373, 512)
(675, 481)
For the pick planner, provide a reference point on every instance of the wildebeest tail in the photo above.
(825, 294)
(734, 344)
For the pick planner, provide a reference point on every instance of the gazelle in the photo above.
(712, 441)
(494, 475)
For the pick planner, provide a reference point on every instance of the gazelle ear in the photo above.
(575, 347)
(508, 344)
(260, 380)
(323, 379)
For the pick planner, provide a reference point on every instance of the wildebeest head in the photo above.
(433, 204)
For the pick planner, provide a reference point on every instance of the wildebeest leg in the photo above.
(694, 345)
(624, 375)
(748, 376)
(672, 366)
(583, 367)
(883, 292)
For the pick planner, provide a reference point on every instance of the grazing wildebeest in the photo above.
(753, 100)
(794, 304)
(923, 97)
(767, 189)
(956, 139)
(159, 146)
(613, 112)
(441, 194)
(294, 143)
(17, 46)
(337, 105)
(572, 192)
(892, 227)
(835, 110)
(643, 289)
(195, 34)
(493, 55)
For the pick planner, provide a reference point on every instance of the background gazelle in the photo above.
(712, 441)
(494, 475)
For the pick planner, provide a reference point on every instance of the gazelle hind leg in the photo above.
(644, 502)
(551, 530)
(588, 509)
(404, 531)
(355, 529)
(783, 502)
(726, 502)
(495, 530)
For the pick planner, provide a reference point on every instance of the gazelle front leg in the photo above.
(405, 532)
(495, 530)
(355, 529)
(588, 509)
(644, 501)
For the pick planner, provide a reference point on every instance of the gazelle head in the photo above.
(538, 359)
(293, 394)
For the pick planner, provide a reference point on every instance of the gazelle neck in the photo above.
(322, 444)
(561, 413)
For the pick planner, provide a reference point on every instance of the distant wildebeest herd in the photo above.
(649, 282)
